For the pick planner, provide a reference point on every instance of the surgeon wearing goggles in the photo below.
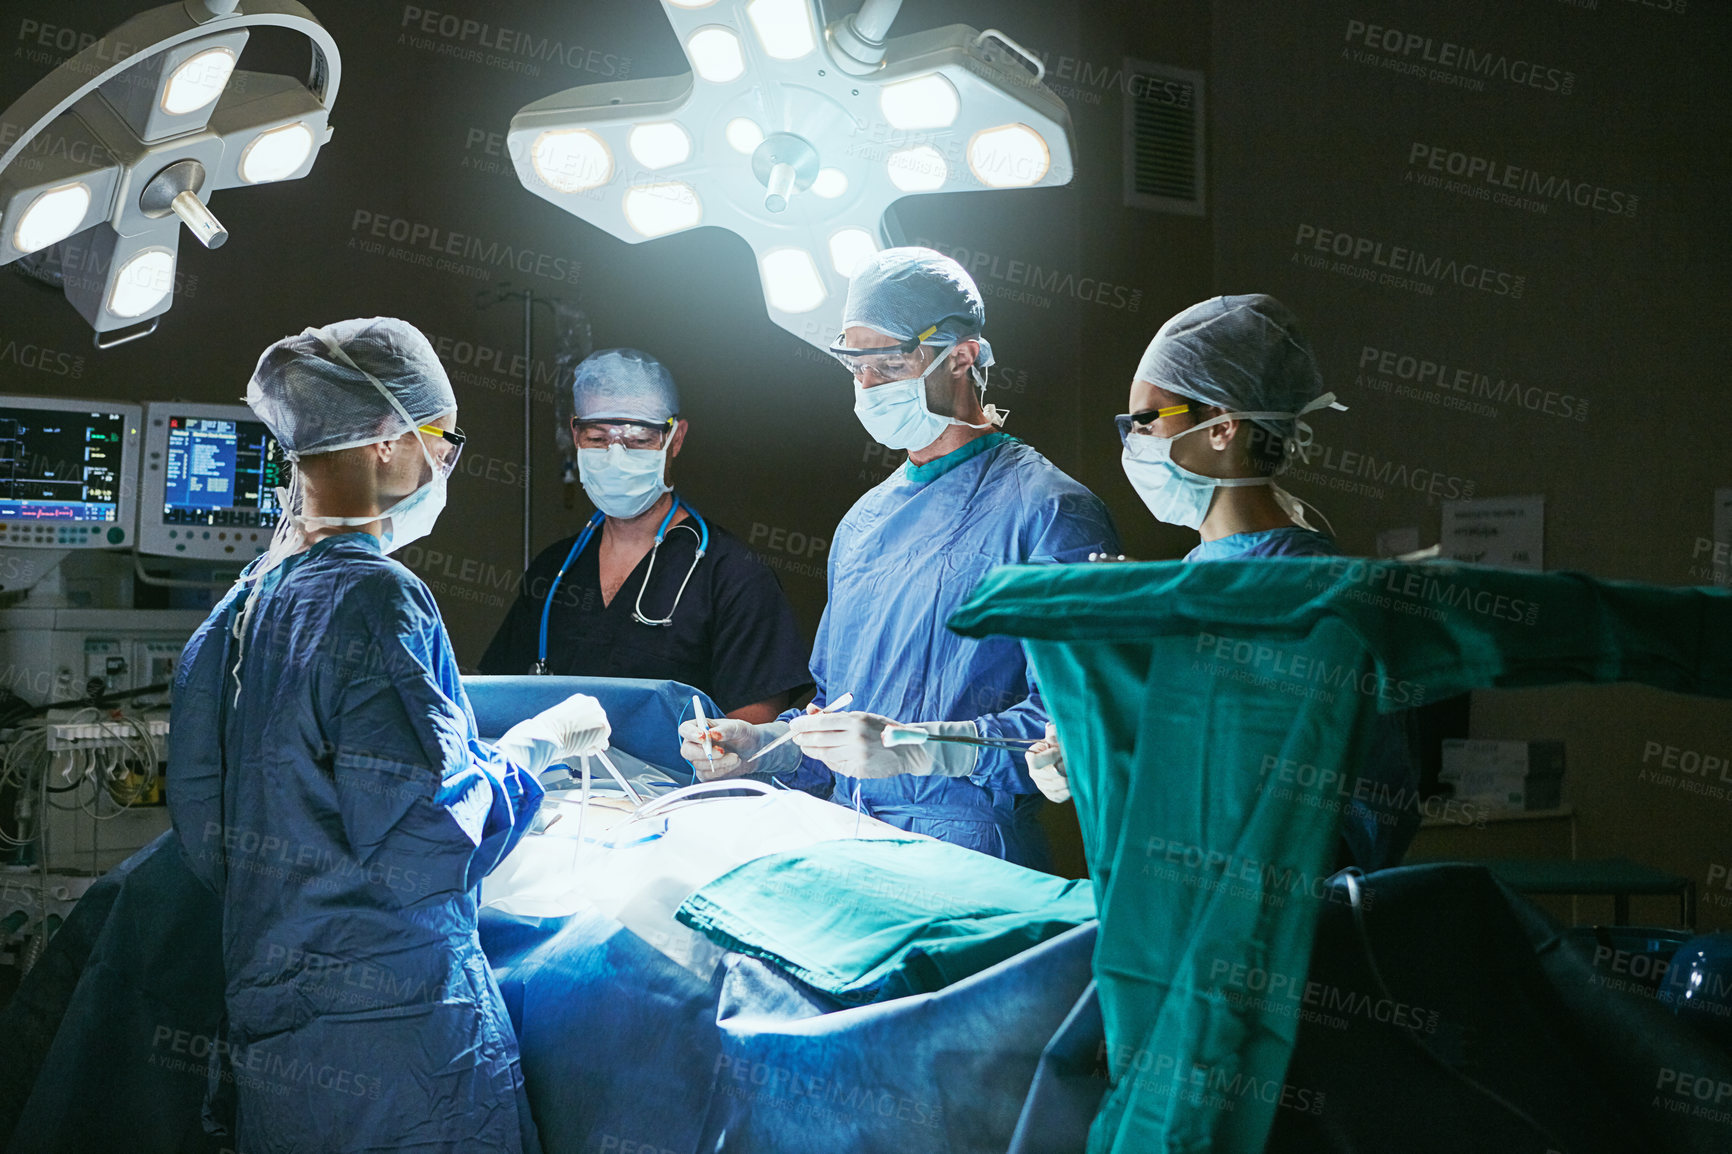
(968, 498)
(650, 587)
(326, 781)
(1218, 410)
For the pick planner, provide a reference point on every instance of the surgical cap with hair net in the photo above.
(623, 385)
(901, 292)
(315, 401)
(1244, 354)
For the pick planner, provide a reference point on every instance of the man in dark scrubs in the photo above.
(622, 606)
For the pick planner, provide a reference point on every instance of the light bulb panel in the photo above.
(141, 95)
(115, 116)
(840, 115)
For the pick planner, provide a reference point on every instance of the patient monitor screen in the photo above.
(221, 472)
(60, 464)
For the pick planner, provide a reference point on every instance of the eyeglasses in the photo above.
(453, 438)
(1140, 422)
(631, 434)
(885, 362)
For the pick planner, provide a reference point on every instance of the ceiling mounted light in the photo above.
(744, 135)
(142, 283)
(658, 209)
(572, 160)
(784, 27)
(818, 132)
(197, 82)
(1010, 156)
(52, 217)
(130, 139)
(660, 145)
(918, 169)
(831, 183)
(849, 248)
(923, 102)
(716, 55)
(276, 154)
(792, 281)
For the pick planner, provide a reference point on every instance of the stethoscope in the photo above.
(701, 532)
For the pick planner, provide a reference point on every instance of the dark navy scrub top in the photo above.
(733, 635)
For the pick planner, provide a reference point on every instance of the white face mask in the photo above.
(1178, 496)
(1173, 493)
(896, 414)
(623, 482)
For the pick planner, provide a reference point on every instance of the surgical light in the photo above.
(791, 280)
(799, 134)
(661, 208)
(849, 247)
(660, 145)
(142, 283)
(197, 82)
(923, 102)
(572, 160)
(831, 183)
(1010, 156)
(52, 217)
(277, 153)
(784, 27)
(716, 55)
(744, 135)
(918, 169)
(133, 138)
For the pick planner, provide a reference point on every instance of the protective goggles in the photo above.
(631, 434)
(885, 362)
(453, 447)
(1140, 422)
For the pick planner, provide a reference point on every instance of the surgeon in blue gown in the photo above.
(326, 781)
(968, 498)
(1218, 410)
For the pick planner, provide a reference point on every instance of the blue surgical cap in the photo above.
(1241, 353)
(314, 401)
(901, 292)
(623, 385)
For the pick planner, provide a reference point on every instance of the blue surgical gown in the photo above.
(1383, 816)
(335, 796)
(902, 560)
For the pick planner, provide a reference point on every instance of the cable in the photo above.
(1350, 878)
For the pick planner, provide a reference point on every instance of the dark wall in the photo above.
(1548, 215)
(775, 452)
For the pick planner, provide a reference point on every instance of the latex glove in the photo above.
(1046, 765)
(576, 727)
(852, 744)
(732, 742)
